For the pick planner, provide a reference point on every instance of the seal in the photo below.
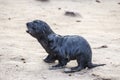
(62, 48)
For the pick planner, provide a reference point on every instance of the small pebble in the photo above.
(16, 65)
(97, 1)
(9, 18)
(22, 59)
(70, 75)
(43, 0)
(70, 13)
(59, 8)
(78, 20)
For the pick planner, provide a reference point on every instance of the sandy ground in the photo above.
(21, 56)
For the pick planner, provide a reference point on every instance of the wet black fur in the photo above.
(62, 48)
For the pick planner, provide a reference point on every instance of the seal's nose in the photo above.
(27, 24)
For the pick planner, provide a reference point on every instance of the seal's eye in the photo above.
(33, 28)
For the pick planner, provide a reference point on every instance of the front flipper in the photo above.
(50, 59)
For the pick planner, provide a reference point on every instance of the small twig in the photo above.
(103, 46)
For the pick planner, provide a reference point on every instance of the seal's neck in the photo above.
(44, 41)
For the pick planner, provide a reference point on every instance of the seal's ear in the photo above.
(52, 37)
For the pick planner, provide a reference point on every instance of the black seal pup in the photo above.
(62, 48)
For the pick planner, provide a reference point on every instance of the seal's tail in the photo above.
(90, 65)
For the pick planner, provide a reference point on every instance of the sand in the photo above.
(21, 56)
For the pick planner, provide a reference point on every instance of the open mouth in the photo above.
(27, 31)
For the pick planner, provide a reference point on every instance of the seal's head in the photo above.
(38, 28)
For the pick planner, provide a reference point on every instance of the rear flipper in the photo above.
(90, 65)
(73, 69)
